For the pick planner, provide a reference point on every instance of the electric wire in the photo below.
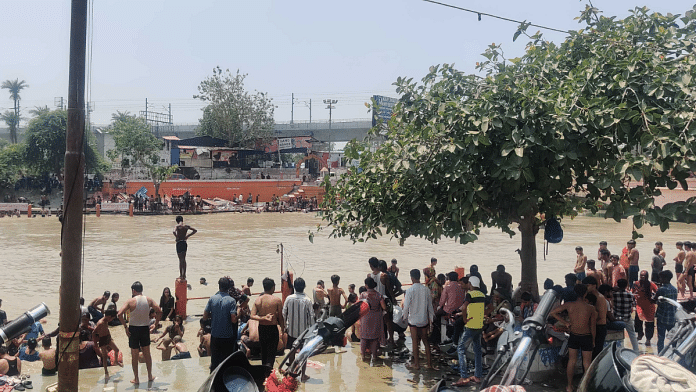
(479, 13)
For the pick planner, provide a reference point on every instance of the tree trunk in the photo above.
(528, 255)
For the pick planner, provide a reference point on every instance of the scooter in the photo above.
(236, 374)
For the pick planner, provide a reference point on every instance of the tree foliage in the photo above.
(160, 174)
(133, 141)
(232, 112)
(44, 150)
(564, 128)
(11, 164)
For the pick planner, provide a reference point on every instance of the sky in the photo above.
(348, 51)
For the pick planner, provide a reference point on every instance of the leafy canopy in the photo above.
(44, 150)
(563, 128)
(233, 113)
(133, 140)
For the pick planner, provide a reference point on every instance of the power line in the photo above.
(496, 16)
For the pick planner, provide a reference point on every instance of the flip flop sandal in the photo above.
(19, 387)
(27, 384)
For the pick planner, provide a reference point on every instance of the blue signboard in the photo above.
(383, 108)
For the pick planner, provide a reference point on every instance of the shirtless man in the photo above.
(268, 311)
(102, 339)
(602, 246)
(580, 262)
(393, 268)
(319, 296)
(166, 348)
(661, 252)
(602, 310)
(592, 271)
(246, 288)
(181, 234)
(96, 307)
(633, 257)
(679, 267)
(335, 294)
(607, 265)
(689, 266)
(182, 351)
(48, 357)
(139, 331)
(582, 327)
(502, 281)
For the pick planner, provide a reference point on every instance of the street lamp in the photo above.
(330, 103)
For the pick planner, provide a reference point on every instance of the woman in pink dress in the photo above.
(644, 291)
(372, 323)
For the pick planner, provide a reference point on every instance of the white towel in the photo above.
(650, 373)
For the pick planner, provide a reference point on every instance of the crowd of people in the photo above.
(449, 315)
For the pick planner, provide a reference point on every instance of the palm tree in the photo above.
(12, 121)
(14, 86)
(121, 116)
(39, 110)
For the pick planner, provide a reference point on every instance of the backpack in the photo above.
(553, 232)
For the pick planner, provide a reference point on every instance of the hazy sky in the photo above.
(347, 50)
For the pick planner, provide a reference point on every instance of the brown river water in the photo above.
(119, 250)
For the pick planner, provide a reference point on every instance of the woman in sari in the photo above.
(644, 291)
(372, 323)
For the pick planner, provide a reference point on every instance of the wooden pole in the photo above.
(71, 241)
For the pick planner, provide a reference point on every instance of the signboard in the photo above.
(14, 206)
(289, 143)
(383, 108)
(285, 143)
(115, 207)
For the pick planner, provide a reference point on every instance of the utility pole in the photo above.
(58, 102)
(292, 109)
(71, 233)
(330, 103)
(145, 109)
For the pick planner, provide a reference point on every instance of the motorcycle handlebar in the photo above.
(23, 323)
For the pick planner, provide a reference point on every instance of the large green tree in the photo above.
(44, 149)
(133, 141)
(564, 128)
(233, 113)
(14, 87)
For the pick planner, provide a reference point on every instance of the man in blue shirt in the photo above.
(222, 309)
(665, 313)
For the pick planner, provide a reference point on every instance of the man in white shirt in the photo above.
(299, 315)
(419, 313)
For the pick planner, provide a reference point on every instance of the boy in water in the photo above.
(582, 327)
(393, 268)
(580, 263)
(182, 351)
(335, 294)
(246, 288)
(48, 357)
(102, 339)
(181, 235)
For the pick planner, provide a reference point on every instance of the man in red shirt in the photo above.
(451, 299)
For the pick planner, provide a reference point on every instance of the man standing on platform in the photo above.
(633, 256)
(222, 308)
(139, 330)
(268, 311)
(472, 312)
(181, 234)
(299, 315)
